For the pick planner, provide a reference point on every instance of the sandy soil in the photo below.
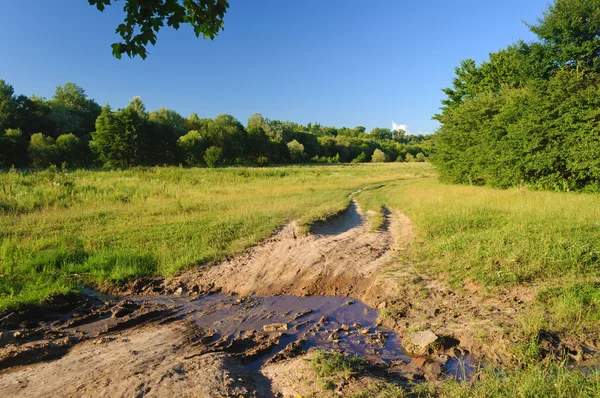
(339, 258)
(154, 361)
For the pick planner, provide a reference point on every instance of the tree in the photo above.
(212, 156)
(192, 144)
(144, 19)
(296, 151)
(227, 133)
(572, 28)
(361, 158)
(381, 133)
(72, 111)
(12, 148)
(379, 156)
(114, 142)
(420, 157)
(159, 143)
(42, 150)
(69, 150)
(7, 106)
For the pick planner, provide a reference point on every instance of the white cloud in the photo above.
(399, 127)
(404, 127)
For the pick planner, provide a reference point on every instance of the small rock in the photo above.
(179, 291)
(348, 303)
(423, 339)
(344, 327)
(364, 331)
(275, 327)
(419, 362)
(382, 305)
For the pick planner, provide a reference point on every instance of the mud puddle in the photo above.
(264, 329)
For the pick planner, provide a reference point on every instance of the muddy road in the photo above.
(241, 328)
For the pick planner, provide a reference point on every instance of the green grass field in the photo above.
(61, 229)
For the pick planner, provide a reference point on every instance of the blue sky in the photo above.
(338, 62)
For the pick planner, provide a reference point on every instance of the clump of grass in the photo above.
(335, 364)
(573, 307)
(536, 380)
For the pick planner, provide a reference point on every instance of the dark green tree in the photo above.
(144, 18)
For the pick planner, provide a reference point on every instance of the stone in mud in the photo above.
(179, 291)
(423, 339)
(419, 362)
(348, 303)
(275, 327)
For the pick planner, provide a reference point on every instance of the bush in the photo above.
(420, 157)
(42, 150)
(296, 151)
(69, 150)
(379, 156)
(212, 156)
(192, 144)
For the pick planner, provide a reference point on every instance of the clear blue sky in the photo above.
(338, 62)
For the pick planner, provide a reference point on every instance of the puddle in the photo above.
(254, 328)
(344, 222)
(324, 322)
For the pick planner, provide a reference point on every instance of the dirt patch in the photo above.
(341, 257)
(154, 361)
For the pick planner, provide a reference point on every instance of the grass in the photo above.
(497, 236)
(329, 364)
(538, 380)
(60, 229)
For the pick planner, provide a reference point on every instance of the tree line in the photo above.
(72, 130)
(530, 114)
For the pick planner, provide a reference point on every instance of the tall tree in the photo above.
(572, 28)
(113, 143)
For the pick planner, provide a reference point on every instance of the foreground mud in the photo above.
(249, 326)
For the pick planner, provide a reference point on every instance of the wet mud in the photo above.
(231, 324)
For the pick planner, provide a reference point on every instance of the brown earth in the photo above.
(104, 347)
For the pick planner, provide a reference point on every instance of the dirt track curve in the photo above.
(152, 347)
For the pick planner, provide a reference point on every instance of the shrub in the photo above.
(296, 151)
(379, 156)
(212, 156)
(42, 150)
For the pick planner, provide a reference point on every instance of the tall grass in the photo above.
(497, 236)
(59, 229)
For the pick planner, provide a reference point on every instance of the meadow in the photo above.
(63, 229)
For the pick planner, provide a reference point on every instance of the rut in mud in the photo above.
(218, 331)
(340, 257)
